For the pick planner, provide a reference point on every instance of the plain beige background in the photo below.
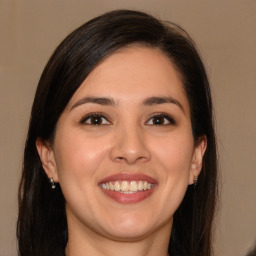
(225, 32)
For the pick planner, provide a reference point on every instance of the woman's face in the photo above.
(124, 153)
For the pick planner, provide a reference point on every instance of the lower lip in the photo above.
(129, 198)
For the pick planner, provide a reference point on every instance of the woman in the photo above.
(121, 127)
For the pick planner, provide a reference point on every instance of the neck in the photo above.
(92, 243)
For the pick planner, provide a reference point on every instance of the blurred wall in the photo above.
(225, 32)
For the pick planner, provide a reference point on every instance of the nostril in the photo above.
(120, 158)
(131, 159)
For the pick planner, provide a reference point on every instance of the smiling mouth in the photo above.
(127, 187)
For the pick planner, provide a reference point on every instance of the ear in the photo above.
(197, 159)
(46, 154)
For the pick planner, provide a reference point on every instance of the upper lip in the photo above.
(128, 177)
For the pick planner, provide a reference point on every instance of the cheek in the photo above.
(174, 159)
(175, 154)
(78, 157)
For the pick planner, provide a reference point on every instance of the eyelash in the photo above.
(167, 117)
(93, 115)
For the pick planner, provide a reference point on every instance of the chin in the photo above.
(130, 229)
(129, 234)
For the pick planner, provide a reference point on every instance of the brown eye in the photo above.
(95, 119)
(161, 120)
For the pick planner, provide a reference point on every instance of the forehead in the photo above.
(132, 74)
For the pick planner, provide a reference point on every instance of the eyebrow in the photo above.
(162, 100)
(95, 100)
(111, 102)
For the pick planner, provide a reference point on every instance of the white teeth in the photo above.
(117, 186)
(140, 185)
(126, 186)
(112, 186)
(134, 186)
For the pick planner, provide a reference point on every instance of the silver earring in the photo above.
(52, 183)
(195, 181)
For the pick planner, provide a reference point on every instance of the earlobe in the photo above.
(197, 160)
(46, 155)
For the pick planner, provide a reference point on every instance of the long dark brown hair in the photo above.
(42, 225)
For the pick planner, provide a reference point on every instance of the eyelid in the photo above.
(169, 117)
(94, 114)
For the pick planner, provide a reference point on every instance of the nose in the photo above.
(129, 146)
